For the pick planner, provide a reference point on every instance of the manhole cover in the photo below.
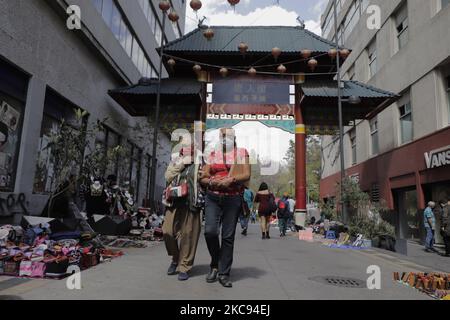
(340, 281)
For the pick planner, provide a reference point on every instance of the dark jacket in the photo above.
(445, 220)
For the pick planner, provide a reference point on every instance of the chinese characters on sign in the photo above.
(243, 91)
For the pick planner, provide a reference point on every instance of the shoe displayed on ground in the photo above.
(172, 269)
(183, 276)
(212, 276)
(225, 281)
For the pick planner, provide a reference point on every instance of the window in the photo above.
(372, 51)
(56, 108)
(401, 24)
(135, 171)
(448, 97)
(374, 136)
(406, 125)
(353, 145)
(112, 140)
(116, 21)
(444, 3)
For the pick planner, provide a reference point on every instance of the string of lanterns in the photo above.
(243, 47)
(224, 71)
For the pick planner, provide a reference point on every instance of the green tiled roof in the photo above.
(259, 40)
(172, 86)
(351, 88)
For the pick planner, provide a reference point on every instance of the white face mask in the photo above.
(228, 143)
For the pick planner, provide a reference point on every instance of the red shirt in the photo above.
(220, 169)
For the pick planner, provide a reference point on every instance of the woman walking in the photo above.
(182, 219)
(225, 176)
(265, 202)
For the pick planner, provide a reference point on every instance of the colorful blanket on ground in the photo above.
(346, 246)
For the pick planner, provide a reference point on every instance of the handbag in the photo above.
(11, 267)
(88, 260)
(25, 268)
(37, 269)
(56, 267)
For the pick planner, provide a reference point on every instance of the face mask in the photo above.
(228, 143)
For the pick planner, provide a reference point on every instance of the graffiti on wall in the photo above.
(11, 204)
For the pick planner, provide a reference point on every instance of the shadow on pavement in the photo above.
(236, 273)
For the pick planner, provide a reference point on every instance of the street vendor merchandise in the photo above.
(43, 254)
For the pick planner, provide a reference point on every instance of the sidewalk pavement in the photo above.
(279, 268)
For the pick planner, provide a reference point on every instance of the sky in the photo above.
(259, 12)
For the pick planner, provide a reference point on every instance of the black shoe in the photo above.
(212, 276)
(267, 235)
(225, 281)
(172, 269)
(264, 236)
(244, 232)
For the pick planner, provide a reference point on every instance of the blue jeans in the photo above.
(244, 221)
(282, 224)
(221, 213)
(429, 241)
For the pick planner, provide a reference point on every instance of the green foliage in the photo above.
(370, 227)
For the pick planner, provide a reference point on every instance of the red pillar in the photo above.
(300, 166)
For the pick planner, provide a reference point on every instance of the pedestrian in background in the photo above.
(445, 224)
(225, 176)
(266, 205)
(290, 222)
(182, 222)
(429, 221)
(283, 214)
(247, 207)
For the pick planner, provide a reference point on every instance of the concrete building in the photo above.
(47, 69)
(403, 154)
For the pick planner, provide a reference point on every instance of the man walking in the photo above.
(445, 225)
(290, 220)
(246, 210)
(283, 214)
(429, 221)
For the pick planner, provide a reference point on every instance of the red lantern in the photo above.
(281, 69)
(243, 47)
(332, 53)
(197, 68)
(233, 2)
(164, 5)
(223, 72)
(173, 16)
(208, 34)
(276, 52)
(312, 63)
(306, 53)
(171, 62)
(344, 53)
(196, 5)
(252, 72)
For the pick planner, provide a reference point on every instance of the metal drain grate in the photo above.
(340, 281)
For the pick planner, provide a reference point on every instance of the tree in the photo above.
(313, 165)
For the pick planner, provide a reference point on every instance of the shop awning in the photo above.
(320, 102)
(178, 96)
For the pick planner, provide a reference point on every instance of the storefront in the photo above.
(406, 178)
(13, 91)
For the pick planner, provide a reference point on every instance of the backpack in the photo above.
(282, 207)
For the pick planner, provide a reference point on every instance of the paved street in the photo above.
(269, 269)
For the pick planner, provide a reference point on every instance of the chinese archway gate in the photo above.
(210, 82)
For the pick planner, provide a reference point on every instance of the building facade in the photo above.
(47, 70)
(402, 155)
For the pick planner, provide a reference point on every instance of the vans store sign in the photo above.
(438, 158)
